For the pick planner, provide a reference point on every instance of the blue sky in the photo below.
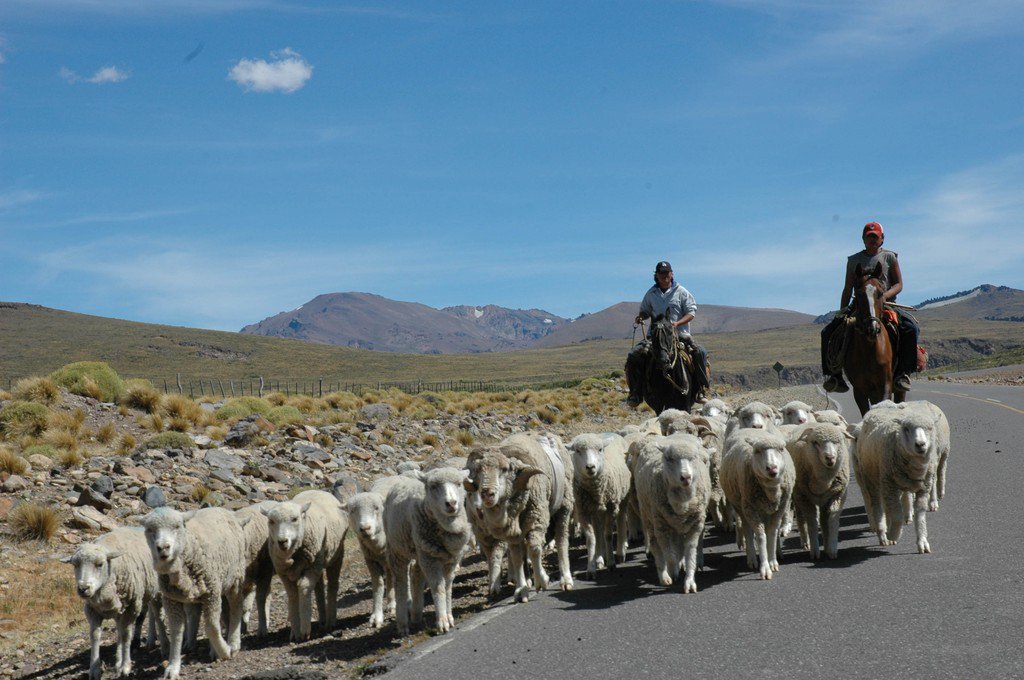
(213, 162)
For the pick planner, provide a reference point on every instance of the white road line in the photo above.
(995, 400)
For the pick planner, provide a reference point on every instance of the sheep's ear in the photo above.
(523, 477)
(849, 436)
(265, 511)
(114, 554)
(468, 484)
(465, 474)
(805, 435)
(244, 521)
(186, 516)
(68, 560)
(418, 475)
(304, 508)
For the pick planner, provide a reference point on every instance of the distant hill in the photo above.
(616, 323)
(988, 302)
(374, 322)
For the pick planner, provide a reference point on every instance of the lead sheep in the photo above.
(199, 559)
(820, 453)
(307, 547)
(366, 517)
(896, 453)
(425, 520)
(600, 484)
(525, 485)
(757, 477)
(114, 576)
(672, 490)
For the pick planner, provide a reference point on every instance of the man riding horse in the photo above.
(669, 300)
(892, 279)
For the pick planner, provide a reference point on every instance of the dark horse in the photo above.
(869, 353)
(668, 381)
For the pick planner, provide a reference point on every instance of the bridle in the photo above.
(867, 321)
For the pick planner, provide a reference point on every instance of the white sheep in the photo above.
(830, 416)
(757, 478)
(797, 413)
(526, 486)
(114, 576)
(200, 559)
(673, 421)
(711, 432)
(307, 546)
(259, 568)
(715, 408)
(672, 490)
(897, 453)
(754, 415)
(601, 482)
(820, 453)
(942, 443)
(366, 518)
(425, 520)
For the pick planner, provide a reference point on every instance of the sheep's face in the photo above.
(768, 461)
(753, 419)
(165, 534)
(678, 469)
(680, 426)
(712, 409)
(286, 525)
(587, 458)
(366, 514)
(795, 414)
(827, 449)
(917, 435)
(446, 496)
(92, 568)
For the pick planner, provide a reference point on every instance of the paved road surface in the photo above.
(873, 613)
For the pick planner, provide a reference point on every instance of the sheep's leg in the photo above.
(263, 604)
(416, 580)
(138, 622)
(807, 516)
(126, 624)
(389, 592)
(401, 573)
(516, 557)
(535, 549)
(494, 551)
(774, 538)
(830, 521)
(742, 535)
(602, 559)
(893, 499)
(562, 532)
(234, 627)
(690, 550)
(908, 506)
(748, 541)
(700, 549)
(333, 575)
(377, 581)
(95, 640)
(449, 582)
(759, 538)
(176, 614)
(920, 522)
(150, 625)
(308, 582)
(655, 542)
(590, 536)
(941, 478)
(219, 648)
(155, 618)
(434, 574)
(672, 545)
(801, 526)
(248, 602)
(192, 616)
(321, 600)
(621, 535)
(291, 592)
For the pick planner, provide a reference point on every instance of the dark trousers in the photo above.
(636, 364)
(906, 358)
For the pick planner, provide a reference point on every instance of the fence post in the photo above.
(322, 387)
(191, 394)
(261, 387)
(231, 384)
(221, 386)
(165, 385)
(178, 376)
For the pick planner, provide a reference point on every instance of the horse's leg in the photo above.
(862, 401)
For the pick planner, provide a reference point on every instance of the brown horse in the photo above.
(869, 354)
(668, 381)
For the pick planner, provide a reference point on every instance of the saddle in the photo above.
(840, 338)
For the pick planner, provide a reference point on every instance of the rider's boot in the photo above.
(835, 383)
(634, 399)
(901, 383)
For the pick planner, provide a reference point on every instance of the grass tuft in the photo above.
(33, 522)
(142, 395)
(12, 464)
(40, 390)
(23, 418)
(127, 444)
(106, 433)
(90, 379)
(284, 415)
(170, 440)
(180, 406)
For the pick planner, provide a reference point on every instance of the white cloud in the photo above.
(105, 75)
(16, 197)
(286, 72)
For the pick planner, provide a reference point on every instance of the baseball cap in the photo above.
(873, 228)
(662, 266)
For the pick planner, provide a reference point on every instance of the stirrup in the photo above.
(835, 383)
(902, 383)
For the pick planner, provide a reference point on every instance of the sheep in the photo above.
(830, 416)
(259, 568)
(600, 484)
(897, 453)
(425, 521)
(757, 478)
(627, 430)
(672, 489)
(199, 558)
(307, 546)
(820, 453)
(366, 516)
(114, 576)
(651, 426)
(711, 432)
(755, 415)
(715, 408)
(408, 466)
(797, 413)
(672, 420)
(525, 485)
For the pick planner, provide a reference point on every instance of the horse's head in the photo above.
(663, 337)
(868, 299)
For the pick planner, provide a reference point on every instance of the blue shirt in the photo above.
(674, 303)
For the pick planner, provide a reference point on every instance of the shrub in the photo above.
(66, 421)
(216, 432)
(127, 443)
(465, 437)
(277, 398)
(20, 418)
(155, 423)
(33, 522)
(39, 390)
(180, 406)
(62, 439)
(284, 415)
(106, 433)
(242, 407)
(12, 464)
(91, 379)
(430, 439)
(169, 440)
(343, 401)
(142, 395)
(180, 424)
(69, 458)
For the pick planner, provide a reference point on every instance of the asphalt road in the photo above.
(873, 613)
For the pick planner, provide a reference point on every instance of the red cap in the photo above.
(873, 228)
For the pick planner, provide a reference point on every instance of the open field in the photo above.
(36, 340)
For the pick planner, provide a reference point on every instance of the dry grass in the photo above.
(200, 492)
(180, 406)
(277, 398)
(106, 433)
(20, 419)
(127, 444)
(39, 601)
(69, 458)
(11, 463)
(33, 522)
(64, 440)
(179, 424)
(465, 438)
(40, 390)
(217, 432)
(155, 423)
(343, 401)
(142, 395)
(66, 421)
(430, 439)
(307, 404)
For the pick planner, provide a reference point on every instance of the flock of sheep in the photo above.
(754, 471)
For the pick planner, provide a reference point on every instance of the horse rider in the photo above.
(668, 298)
(892, 279)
